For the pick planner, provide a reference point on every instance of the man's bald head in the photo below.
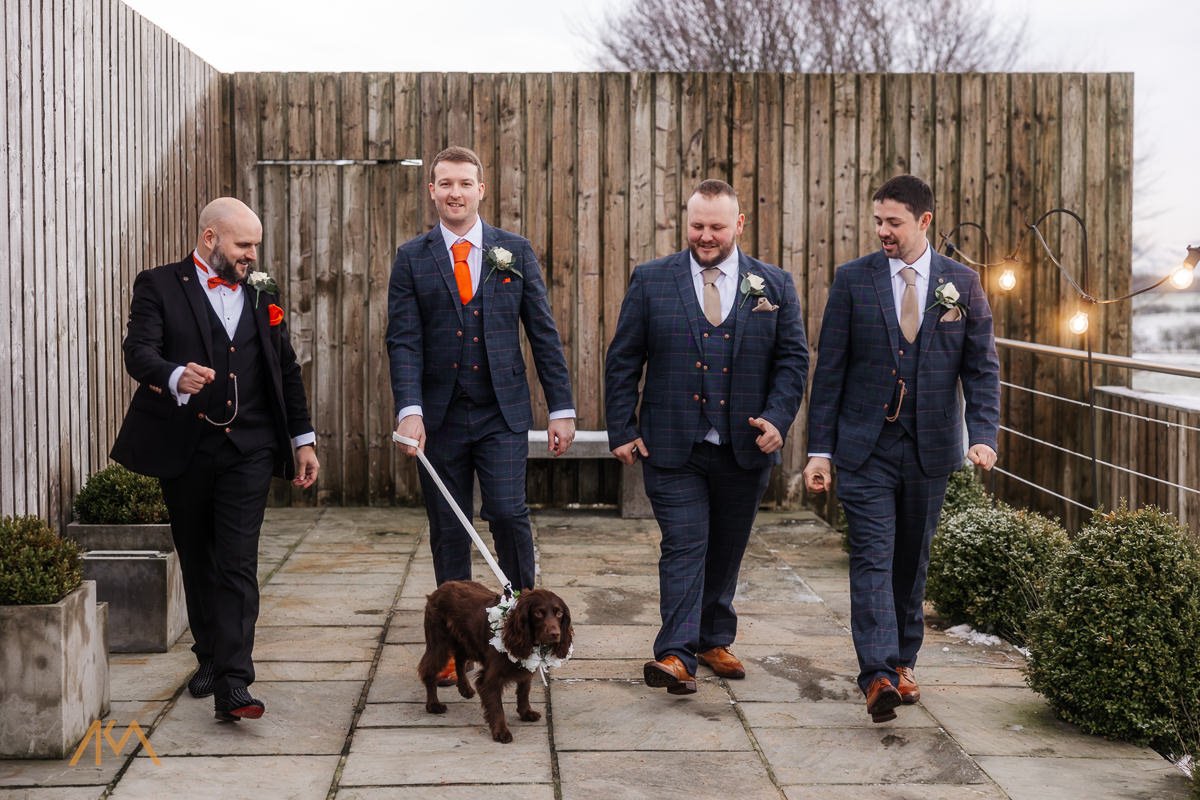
(230, 234)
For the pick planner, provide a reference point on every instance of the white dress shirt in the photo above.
(475, 262)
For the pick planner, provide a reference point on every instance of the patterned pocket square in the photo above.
(951, 315)
(764, 304)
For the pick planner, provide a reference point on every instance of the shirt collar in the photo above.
(921, 265)
(729, 266)
(201, 264)
(474, 236)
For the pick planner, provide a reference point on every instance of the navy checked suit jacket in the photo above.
(855, 380)
(659, 327)
(425, 318)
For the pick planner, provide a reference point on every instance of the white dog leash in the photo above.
(466, 523)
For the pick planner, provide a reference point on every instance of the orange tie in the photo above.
(462, 271)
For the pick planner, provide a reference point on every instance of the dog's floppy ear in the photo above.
(518, 629)
(564, 640)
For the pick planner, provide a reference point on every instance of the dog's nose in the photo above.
(553, 636)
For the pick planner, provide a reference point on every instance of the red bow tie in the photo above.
(217, 280)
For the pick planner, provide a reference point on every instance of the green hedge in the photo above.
(1115, 646)
(964, 490)
(36, 565)
(988, 567)
(116, 496)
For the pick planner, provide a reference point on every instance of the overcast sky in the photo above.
(1154, 39)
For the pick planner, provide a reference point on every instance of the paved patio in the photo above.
(340, 634)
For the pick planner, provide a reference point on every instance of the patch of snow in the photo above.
(972, 636)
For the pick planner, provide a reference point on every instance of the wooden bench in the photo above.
(594, 444)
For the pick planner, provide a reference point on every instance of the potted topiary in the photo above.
(53, 654)
(121, 524)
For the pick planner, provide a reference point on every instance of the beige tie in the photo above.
(910, 309)
(712, 295)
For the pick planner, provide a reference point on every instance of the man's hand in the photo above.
(307, 466)
(413, 427)
(628, 453)
(194, 378)
(817, 475)
(982, 455)
(770, 439)
(559, 435)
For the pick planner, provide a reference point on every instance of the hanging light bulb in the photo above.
(1183, 276)
(1078, 324)
(1008, 280)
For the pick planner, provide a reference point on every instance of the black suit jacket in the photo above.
(168, 327)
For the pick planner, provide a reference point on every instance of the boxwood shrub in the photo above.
(36, 565)
(988, 566)
(1115, 646)
(964, 490)
(116, 496)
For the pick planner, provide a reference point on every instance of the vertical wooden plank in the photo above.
(946, 155)
(33, 263)
(693, 106)
(326, 110)
(793, 203)
(819, 218)
(641, 169)
(483, 115)
(381, 115)
(8, 256)
(970, 186)
(844, 188)
(615, 235)
(588, 341)
(1119, 246)
(564, 205)
(329, 341)
(996, 171)
(76, 352)
(871, 159)
(433, 129)
(768, 166)
(899, 113)
(667, 225)
(355, 341)
(744, 136)
(922, 115)
(718, 156)
(300, 294)
(533, 142)
(1075, 478)
(246, 126)
(509, 172)
(297, 93)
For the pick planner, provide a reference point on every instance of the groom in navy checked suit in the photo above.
(722, 341)
(457, 297)
(903, 329)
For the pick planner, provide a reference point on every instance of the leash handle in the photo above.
(466, 523)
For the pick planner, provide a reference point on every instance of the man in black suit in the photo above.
(219, 409)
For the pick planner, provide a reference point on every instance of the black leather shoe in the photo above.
(201, 683)
(238, 704)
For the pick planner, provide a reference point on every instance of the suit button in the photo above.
(232, 349)
(228, 403)
(694, 397)
(454, 365)
(893, 372)
(229, 430)
(722, 402)
(200, 415)
(705, 335)
(475, 339)
(703, 400)
(901, 352)
(458, 333)
(232, 375)
(476, 312)
(698, 365)
(727, 336)
(475, 367)
(885, 405)
(724, 369)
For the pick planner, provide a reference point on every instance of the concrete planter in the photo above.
(54, 674)
(137, 573)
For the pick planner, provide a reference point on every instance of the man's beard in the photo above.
(222, 266)
(717, 259)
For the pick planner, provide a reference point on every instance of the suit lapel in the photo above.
(931, 310)
(741, 305)
(488, 287)
(882, 275)
(687, 294)
(441, 257)
(197, 301)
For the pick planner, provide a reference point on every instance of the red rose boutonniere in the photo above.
(274, 314)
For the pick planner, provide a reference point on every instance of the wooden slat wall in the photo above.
(111, 144)
(596, 169)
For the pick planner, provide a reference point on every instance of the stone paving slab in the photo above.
(642, 775)
(895, 792)
(601, 715)
(54, 793)
(230, 778)
(314, 643)
(474, 791)
(826, 714)
(325, 604)
(1026, 778)
(150, 676)
(877, 754)
(405, 756)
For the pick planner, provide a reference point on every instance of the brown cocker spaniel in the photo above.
(456, 624)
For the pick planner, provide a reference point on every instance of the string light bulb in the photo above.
(1007, 280)
(1078, 323)
(1183, 276)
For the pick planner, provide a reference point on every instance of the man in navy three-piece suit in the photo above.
(903, 329)
(456, 299)
(722, 341)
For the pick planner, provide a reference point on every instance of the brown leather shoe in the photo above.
(909, 691)
(671, 674)
(722, 662)
(882, 699)
(448, 676)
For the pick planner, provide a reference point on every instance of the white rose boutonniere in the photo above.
(502, 260)
(946, 295)
(752, 286)
(261, 282)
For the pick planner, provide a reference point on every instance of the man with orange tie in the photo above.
(455, 302)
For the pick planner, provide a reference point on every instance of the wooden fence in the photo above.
(111, 138)
(596, 169)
